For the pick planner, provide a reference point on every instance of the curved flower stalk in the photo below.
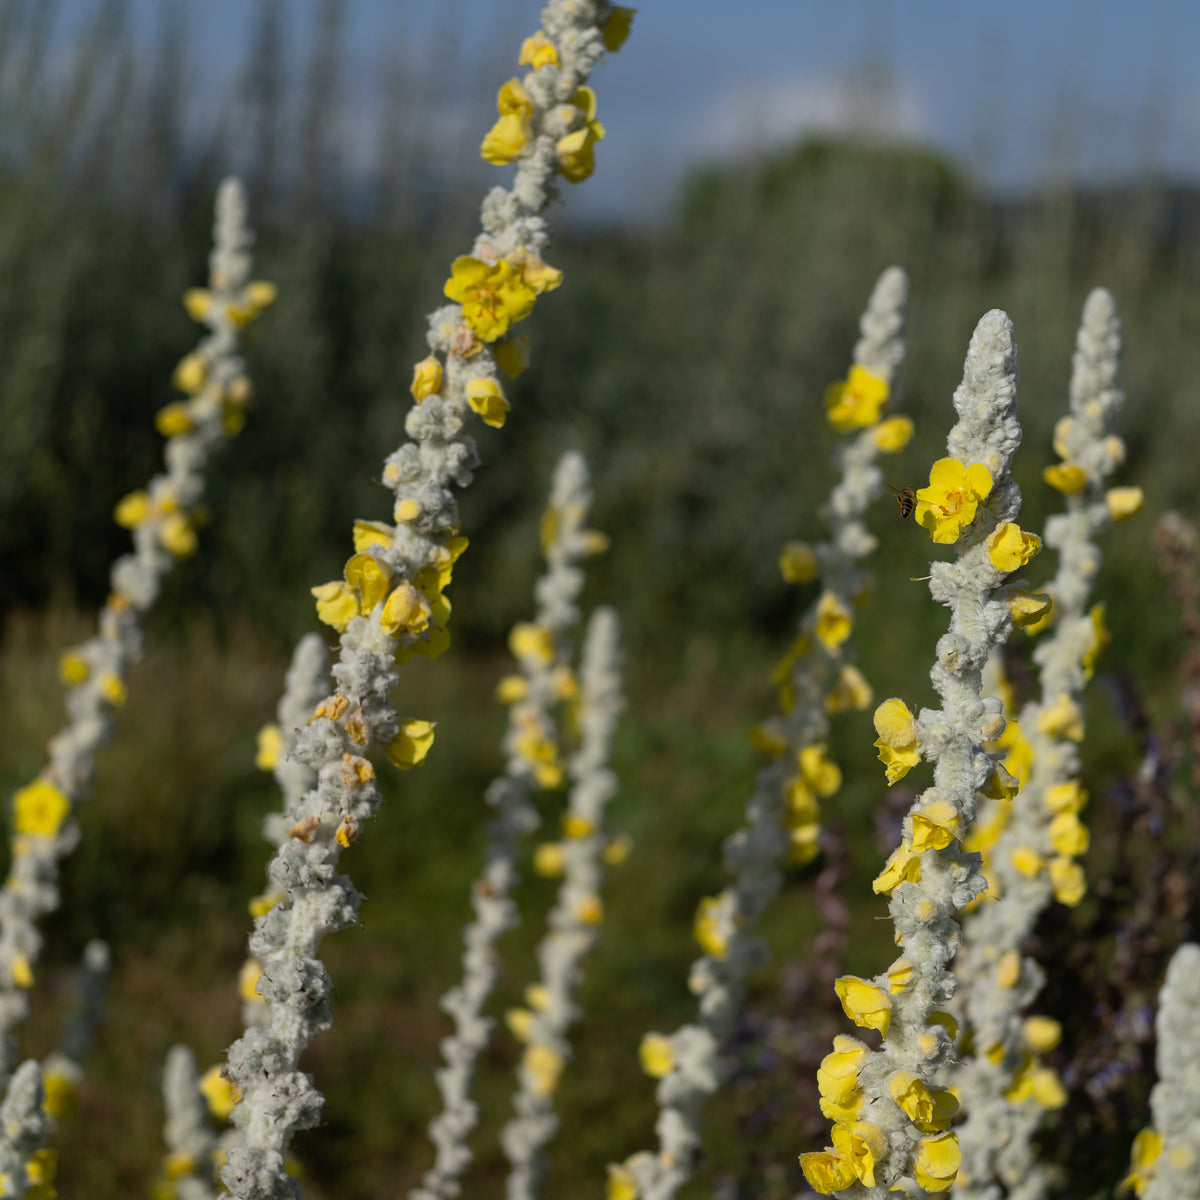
(578, 910)
(1033, 842)
(194, 1149)
(533, 760)
(162, 519)
(816, 677)
(1165, 1154)
(391, 603)
(891, 1115)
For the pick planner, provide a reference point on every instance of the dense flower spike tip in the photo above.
(1165, 1156)
(816, 677)
(931, 878)
(1031, 844)
(491, 287)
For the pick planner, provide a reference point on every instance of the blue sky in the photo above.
(1018, 91)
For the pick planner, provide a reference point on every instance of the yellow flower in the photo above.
(198, 303)
(1147, 1146)
(20, 970)
(1069, 797)
(537, 52)
(1068, 835)
(73, 669)
(1067, 478)
(863, 1145)
(190, 374)
(270, 744)
(532, 641)
(1008, 969)
(1041, 1034)
(549, 860)
(178, 535)
(493, 296)
(837, 1076)
(1028, 861)
(221, 1095)
(132, 510)
(1123, 502)
(937, 1161)
(1067, 880)
(707, 928)
(427, 378)
(248, 977)
(537, 274)
(1063, 719)
(834, 621)
(410, 746)
(486, 398)
(798, 563)
(827, 1171)
(406, 611)
(39, 809)
(1010, 547)
(900, 975)
(947, 506)
(893, 435)
(897, 741)
(589, 910)
(1018, 757)
(1100, 638)
(854, 402)
(337, 604)
(935, 826)
(930, 1112)
(173, 420)
(505, 141)
(511, 355)
(544, 1066)
(864, 1003)
(617, 851)
(621, 1184)
(616, 25)
(904, 866)
(371, 533)
(656, 1056)
(1031, 611)
(577, 151)
(849, 691)
(60, 1093)
(511, 689)
(1046, 1089)
(369, 578)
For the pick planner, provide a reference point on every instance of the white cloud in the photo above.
(762, 115)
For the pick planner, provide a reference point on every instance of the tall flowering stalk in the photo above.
(162, 519)
(543, 683)
(1166, 1153)
(391, 602)
(816, 677)
(194, 1149)
(578, 911)
(891, 1116)
(1033, 842)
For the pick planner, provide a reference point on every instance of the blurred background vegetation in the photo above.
(687, 358)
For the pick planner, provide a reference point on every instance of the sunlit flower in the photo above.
(855, 402)
(506, 140)
(897, 741)
(577, 150)
(493, 296)
(947, 506)
(1010, 547)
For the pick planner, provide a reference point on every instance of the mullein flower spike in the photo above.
(390, 605)
(1166, 1153)
(574, 921)
(891, 1113)
(163, 521)
(1031, 842)
(816, 677)
(543, 683)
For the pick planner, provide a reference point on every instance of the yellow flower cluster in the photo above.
(859, 1145)
(576, 129)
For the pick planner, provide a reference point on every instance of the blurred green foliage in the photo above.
(688, 361)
